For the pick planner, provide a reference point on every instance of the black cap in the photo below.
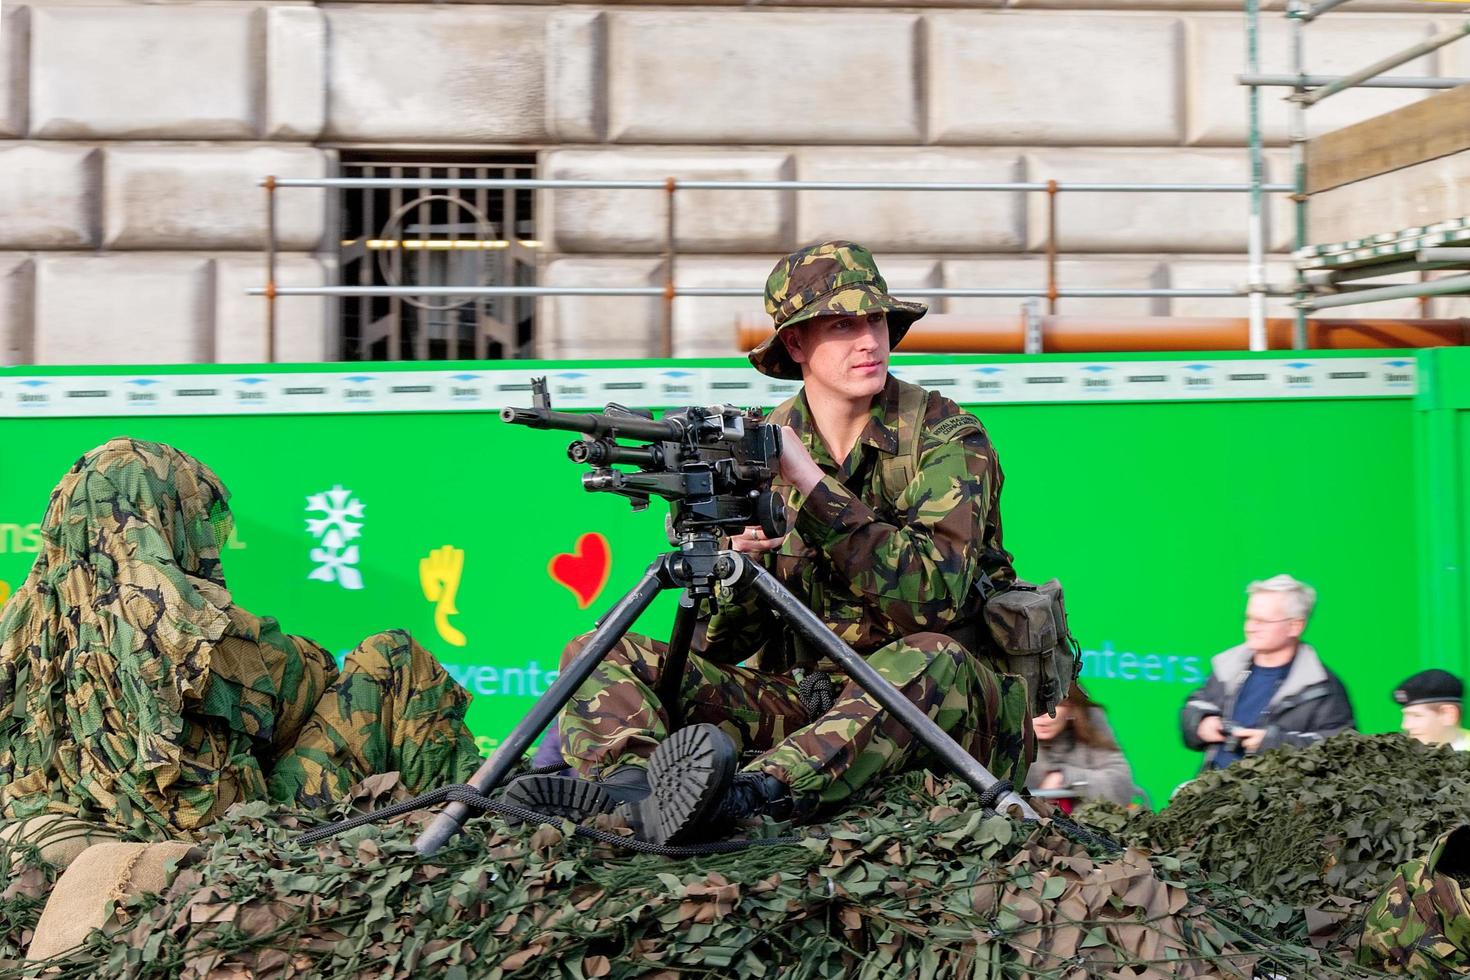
(1430, 687)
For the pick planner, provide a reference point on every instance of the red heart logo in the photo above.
(585, 570)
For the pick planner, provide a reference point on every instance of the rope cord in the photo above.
(473, 798)
(816, 693)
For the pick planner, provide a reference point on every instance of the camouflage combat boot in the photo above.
(574, 798)
(690, 791)
(698, 795)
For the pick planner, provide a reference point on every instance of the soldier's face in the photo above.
(1432, 724)
(844, 355)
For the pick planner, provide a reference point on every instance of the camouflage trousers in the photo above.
(391, 708)
(615, 718)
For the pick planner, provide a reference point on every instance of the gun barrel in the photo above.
(593, 424)
(605, 453)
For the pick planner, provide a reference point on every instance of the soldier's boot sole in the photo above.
(558, 797)
(688, 773)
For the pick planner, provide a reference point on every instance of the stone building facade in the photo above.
(133, 137)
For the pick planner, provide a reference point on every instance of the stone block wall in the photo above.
(133, 136)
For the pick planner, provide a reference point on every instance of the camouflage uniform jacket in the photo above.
(876, 564)
(1420, 923)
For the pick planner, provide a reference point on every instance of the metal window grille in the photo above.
(423, 237)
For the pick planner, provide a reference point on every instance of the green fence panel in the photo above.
(1442, 436)
(1155, 487)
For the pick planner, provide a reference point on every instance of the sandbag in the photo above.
(101, 875)
(59, 838)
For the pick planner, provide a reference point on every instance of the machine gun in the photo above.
(714, 465)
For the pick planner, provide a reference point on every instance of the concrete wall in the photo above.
(132, 137)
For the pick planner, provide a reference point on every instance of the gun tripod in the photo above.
(696, 567)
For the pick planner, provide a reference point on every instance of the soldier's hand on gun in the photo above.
(797, 466)
(753, 541)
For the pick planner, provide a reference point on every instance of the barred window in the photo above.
(397, 237)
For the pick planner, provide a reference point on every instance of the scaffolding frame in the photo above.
(669, 291)
(1307, 91)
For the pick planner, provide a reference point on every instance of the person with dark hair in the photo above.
(1076, 752)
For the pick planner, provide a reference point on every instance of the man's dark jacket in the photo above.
(1310, 705)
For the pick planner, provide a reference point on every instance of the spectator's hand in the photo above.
(753, 541)
(1053, 780)
(1250, 738)
(797, 466)
(1209, 730)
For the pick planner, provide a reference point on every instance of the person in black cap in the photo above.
(1431, 705)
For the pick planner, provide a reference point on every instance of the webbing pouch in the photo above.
(1029, 624)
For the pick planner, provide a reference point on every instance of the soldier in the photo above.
(896, 493)
(1420, 924)
(133, 691)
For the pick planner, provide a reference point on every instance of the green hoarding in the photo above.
(1155, 487)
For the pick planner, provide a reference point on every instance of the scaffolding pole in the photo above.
(1379, 67)
(1296, 13)
(1317, 81)
(1318, 9)
(1256, 231)
(1408, 290)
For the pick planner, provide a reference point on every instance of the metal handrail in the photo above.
(937, 292)
(1052, 292)
(532, 183)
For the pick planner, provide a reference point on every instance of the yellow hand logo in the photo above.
(439, 575)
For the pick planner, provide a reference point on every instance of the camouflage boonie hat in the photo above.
(820, 280)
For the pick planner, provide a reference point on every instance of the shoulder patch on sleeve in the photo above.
(955, 425)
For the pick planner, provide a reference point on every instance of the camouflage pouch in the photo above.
(1029, 624)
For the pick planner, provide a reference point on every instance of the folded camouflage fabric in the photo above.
(133, 691)
(1420, 925)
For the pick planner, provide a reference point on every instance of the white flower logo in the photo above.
(336, 560)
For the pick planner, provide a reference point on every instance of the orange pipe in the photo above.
(949, 333)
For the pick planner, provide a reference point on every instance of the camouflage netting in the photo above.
(1310, 836)
(917, 883)
(28, 881)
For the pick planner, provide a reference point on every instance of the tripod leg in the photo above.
(672, 676)
(614, 625)
(935, 738)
